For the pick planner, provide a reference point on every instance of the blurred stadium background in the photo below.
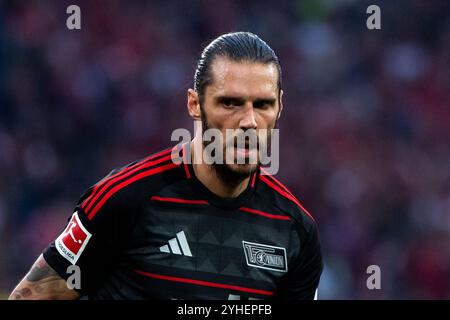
(365, 135)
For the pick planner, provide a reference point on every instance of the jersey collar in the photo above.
(211, 197)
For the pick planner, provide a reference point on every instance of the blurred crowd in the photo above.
(365, 133)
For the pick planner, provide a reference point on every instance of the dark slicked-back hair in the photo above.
(236, 46)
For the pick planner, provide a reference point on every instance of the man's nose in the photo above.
(248, 120)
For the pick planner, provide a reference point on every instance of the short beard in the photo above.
(224, 171)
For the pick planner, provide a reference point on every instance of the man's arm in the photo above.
(303, 277)
(43, 283)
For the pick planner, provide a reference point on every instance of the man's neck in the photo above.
(211, 179)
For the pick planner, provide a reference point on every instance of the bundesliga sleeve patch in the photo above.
(71, 243)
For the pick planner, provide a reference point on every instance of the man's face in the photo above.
(243, 95)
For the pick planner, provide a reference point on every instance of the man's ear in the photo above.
(281, 104)
(193, 104)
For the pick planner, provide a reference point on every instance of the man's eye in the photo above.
(261, 104)
(229, 103)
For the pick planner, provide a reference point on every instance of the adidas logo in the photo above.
(174, 248)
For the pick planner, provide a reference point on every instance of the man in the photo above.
(160, 228)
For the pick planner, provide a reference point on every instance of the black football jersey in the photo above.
(152, 230)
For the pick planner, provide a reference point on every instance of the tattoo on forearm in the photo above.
(40, 270)
(21, 293)
(42, 282)
(41, 274)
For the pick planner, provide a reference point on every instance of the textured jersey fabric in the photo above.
(152, 230)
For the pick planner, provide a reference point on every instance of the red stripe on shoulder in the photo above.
(127, 182)
(286, 195)
(254, 179)
(127, 174)
(276, 181)
(86, 204)
(186, 168)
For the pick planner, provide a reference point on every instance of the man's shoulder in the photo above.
(126, 185)
(285, 200)
(153, 166)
